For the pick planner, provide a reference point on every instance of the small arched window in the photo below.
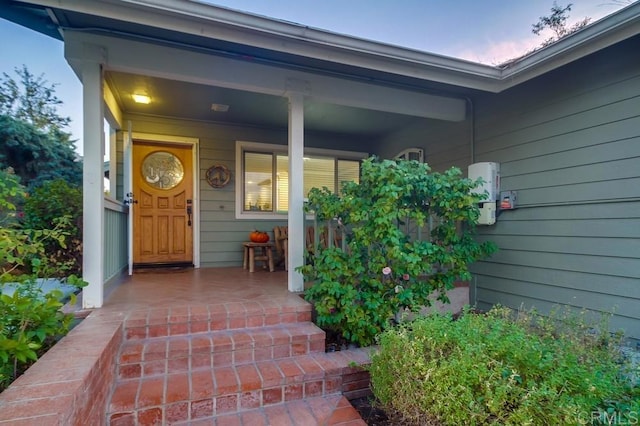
(411, 154)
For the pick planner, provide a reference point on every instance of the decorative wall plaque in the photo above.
(218, 176)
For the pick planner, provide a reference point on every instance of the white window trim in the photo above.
(242, 146)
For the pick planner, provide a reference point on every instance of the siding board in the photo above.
(537, 161)
(539, 141)
(618, 247)
(619, 228)
(596, 283)
(571, 175)
(609, 265)
(621, 305)
(617, 210)
(628, 188)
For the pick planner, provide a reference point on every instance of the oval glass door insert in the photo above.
(162, 170)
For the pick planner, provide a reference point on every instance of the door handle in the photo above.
(128, 199)
(189, 212)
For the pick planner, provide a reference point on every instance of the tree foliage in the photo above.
(387, 267)
(32, 137)
(556, 22)
(32, 100)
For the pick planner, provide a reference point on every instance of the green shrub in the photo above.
(497, 369)
(12, 195)
(30, 318)
(43, 209)
(30, 323)
(387, 267)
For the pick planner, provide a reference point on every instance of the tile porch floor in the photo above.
(224, 346)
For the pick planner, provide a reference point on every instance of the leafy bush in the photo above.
(30, 319)
(387, 267)
(11, 195)
(30, 323)
(45, 207)
(501, 369)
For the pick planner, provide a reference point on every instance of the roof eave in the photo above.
(206, 20)
(608, 31)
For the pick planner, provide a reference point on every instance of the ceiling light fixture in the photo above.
(141, 99)
(219, 107)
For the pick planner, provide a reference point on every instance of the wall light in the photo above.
(141, 99)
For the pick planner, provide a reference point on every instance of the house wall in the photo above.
(445, 143)
(569, 143)
(221, 234)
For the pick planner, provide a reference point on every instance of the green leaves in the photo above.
(384, 220)
(498, 368)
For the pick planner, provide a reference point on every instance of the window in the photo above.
(263, 179)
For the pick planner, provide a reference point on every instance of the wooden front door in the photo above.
(162, 213)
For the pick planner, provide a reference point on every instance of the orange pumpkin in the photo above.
(259, 237)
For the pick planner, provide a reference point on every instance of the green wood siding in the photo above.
(569, 143)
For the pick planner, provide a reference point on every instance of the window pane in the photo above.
(258, 188)
(262, 194)
(348, 171)
(319, 172)
(282, 183)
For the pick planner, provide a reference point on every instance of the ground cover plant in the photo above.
(504, 368)
(388, 265)
(31, 319)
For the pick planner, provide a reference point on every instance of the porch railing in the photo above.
(115, 238)
(330, 233)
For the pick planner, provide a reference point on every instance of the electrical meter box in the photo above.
(490, 174)
(490, 189)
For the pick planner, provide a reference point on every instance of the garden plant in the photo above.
(505, 368)
(408, 235)
(31, 319)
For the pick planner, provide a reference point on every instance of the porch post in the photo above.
(296, 191)
(92, 185)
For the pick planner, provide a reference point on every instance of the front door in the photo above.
(162, 215)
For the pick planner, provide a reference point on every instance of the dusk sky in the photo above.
(487, 31)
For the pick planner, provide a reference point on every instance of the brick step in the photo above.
(204, 393)
(184, 320)
(327, 411)
(175, 354)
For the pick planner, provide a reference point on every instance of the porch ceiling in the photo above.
(170, 98)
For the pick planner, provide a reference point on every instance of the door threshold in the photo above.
(156, 267)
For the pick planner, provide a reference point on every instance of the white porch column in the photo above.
(92, 185)
(296, 191)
